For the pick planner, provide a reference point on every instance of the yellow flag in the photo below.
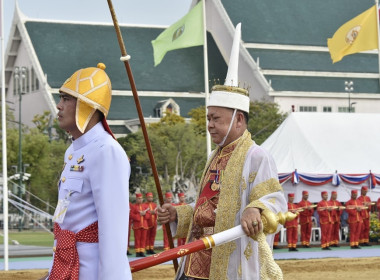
(356, 35)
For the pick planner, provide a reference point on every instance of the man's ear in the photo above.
(240, 120)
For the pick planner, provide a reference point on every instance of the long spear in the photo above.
(125, 58)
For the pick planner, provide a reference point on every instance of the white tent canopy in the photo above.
(324, 143)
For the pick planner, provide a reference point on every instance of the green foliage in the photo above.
(177, 150)
(198, 119)
(44, 156)
(264, 119)
(374, 227)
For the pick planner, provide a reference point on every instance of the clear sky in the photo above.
(157, 12)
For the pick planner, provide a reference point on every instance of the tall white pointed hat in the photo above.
(230, 95)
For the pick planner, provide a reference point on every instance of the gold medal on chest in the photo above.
(215, 187)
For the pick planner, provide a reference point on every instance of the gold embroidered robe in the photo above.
(250, 179)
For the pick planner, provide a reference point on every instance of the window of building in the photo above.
(34, 79)
(308, 109)
(345, 109)
(327, 109)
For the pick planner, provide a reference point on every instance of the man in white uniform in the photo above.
(91, 218)
(239, 181)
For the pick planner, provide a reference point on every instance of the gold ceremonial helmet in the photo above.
(92, 88)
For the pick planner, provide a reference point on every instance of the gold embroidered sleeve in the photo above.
(270, 186)
(257, 204)
(184, 215)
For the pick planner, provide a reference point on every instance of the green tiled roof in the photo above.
(302, 23)
(322, 84)
(63, 48)
(293, 22)
(314, 61)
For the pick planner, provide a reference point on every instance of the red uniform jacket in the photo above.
(305, 215)
(335, 213)
(324, 215)
(138, 220)
(152, 221)
(353, 215)
(291, 208)
(363, 200)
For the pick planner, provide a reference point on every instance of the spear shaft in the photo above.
(141, 118)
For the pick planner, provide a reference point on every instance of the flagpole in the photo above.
(205, 66)
(378, 34)
(4, 146)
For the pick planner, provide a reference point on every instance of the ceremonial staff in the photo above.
(125, 58)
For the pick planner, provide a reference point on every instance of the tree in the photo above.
(198, 119)
(264, 119)
(179, 153)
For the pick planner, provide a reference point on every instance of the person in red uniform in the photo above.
(378, 207)
(335, 215)
(354, 208)
(152, 223)
(182, 198)
(292, 226)
(140, 217)
(364, 230)
(168, 199)
(325, 220)
(276, 241)
(129, 229)
(305, 219)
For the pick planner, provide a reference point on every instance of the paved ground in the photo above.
(40, 257)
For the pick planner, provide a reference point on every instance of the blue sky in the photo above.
(157, 12)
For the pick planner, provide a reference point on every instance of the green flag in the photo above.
(187, 32)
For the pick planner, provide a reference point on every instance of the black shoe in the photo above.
(152, 252)
(306, 246)
(137, 255)
(335, 245)
(275, 247)
(326, 248)
(357, 247)
(128, 254)
(366, 244)
(295, 249)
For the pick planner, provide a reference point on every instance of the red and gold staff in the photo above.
(152, 223)
(354, 208)
(292, 226)
(140, 217)
(324, 209)
(269, 269)
(305, 219)
(182, 198)
(335, 215)
(364, 230)
(168, 199)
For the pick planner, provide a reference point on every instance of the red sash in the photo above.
(66, 259)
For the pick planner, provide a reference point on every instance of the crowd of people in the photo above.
(143, 221)
(329, 215)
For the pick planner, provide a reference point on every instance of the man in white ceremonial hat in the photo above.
(239, 181)
(91, 218)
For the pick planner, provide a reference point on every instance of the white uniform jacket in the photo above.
(99, 192)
